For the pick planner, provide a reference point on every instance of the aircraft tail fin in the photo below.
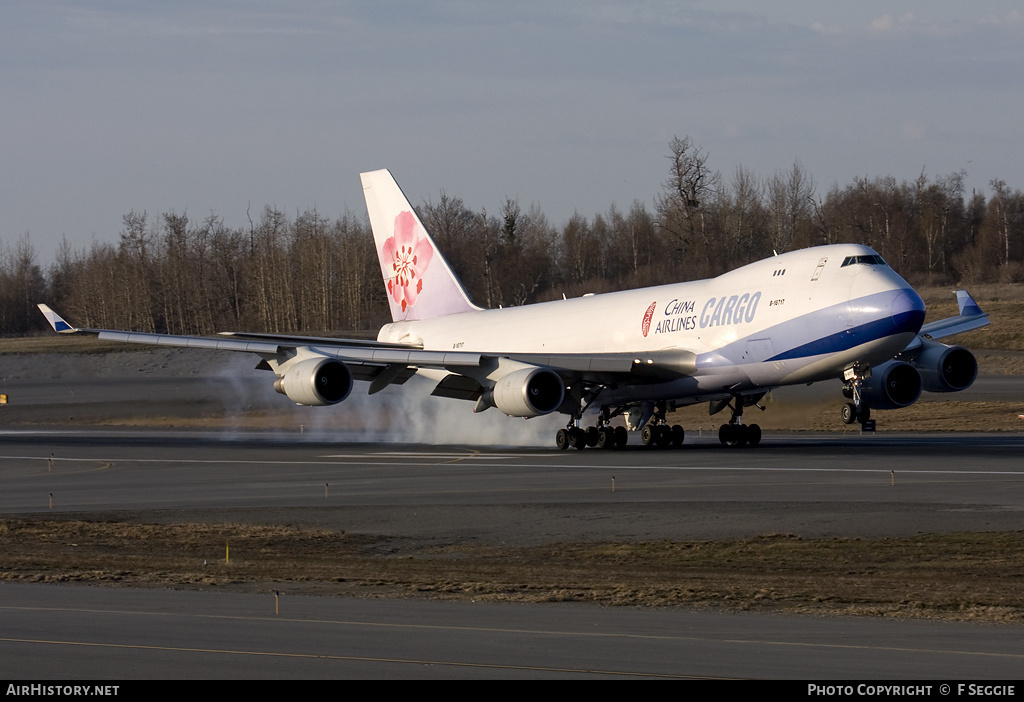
(420, 283)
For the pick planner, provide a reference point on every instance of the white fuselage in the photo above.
(794, 318)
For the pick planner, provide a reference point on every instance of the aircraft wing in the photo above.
(351, 350)
(970, 317)
(383, 363)
(376, 352)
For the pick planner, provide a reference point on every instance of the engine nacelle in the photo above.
(529, 392)
(316, 381)
(892, 385)
(945, 368)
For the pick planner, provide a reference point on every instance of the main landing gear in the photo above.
(601, 436)
(736, 433)
(656, 431)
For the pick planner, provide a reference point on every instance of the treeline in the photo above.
(182, 277)
(279, 274)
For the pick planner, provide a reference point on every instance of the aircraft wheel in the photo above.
(732, 435)
(865, 414)
(753, 434)
(648, 436)
(577, 438)
(593, 436)
(621, 436)
(726, 434)
(662, 435)
(677, 436)
(606, 438)
(562, 439)
(742, 434)
(848, 413)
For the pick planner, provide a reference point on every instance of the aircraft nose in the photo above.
(908, 311)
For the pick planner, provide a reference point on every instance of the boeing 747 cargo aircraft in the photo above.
(828, 312)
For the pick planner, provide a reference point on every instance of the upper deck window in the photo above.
(871, 260)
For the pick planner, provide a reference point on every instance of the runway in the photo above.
(810, 485)
(52, 633)
(813, 485)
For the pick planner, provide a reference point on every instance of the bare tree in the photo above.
(790, 205)
(681, 204)
(135, 273)
(743, 216)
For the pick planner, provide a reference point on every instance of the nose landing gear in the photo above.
(857, 410)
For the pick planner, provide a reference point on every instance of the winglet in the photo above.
(971, 317)
(968, 307)
(56, 321)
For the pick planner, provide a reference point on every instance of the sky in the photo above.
(226, 106)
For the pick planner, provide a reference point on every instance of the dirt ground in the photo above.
(949, 576)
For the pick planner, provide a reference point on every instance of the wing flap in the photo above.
(672, 363)
(410, 357)
(458, 387)
(387, 375)
(582, 363)
(192, 342)
(293, 339)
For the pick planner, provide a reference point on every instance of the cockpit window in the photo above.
(871, 260)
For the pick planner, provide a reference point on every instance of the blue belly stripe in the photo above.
(794, 332)
(848, 338)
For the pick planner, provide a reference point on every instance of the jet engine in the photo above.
(316, 381)
(529, 392)
(945, 368)
(892, 385)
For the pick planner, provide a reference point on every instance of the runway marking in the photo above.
(370, 659)
(457, 459)
(427, 458)
(469, 462)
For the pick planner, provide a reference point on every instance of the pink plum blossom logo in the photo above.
(645, 326)
(408, 253)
